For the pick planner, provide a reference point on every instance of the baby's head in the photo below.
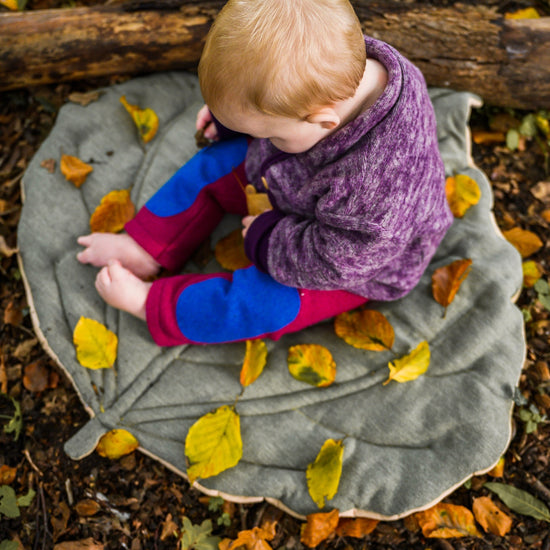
(288, 59)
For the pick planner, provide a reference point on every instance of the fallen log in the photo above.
(465, 47)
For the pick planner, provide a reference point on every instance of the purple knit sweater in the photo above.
(364, 209)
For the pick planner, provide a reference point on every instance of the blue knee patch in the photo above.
(207, 166)
(219, 310)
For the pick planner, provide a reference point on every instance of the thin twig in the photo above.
(33, 465)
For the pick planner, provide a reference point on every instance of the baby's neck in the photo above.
(371, 87)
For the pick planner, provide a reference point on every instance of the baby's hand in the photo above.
(205, 123)
(247, 222)
(103, 248)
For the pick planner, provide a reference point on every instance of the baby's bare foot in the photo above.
(101, 248)
(122, 289)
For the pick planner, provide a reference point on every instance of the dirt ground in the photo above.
(135, 502)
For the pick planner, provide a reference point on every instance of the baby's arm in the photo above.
(102, 248)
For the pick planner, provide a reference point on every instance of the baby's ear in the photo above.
(327, 117)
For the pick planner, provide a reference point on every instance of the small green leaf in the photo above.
(544, 299)
(542, 287)
(198, 537)
(512, 139)
(528, 126)
(8, 502)
(215, 504)
(9, 545)
(16, 422)
(26, 500)
(520, 501)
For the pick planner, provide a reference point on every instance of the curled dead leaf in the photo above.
(491, 517)
(319, 527)
(446, 280)
(447, 521)
(75, 170)
(115, 209)
(146, 120)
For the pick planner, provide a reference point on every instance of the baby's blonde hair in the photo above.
(282, 57)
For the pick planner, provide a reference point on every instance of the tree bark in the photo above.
(465, 47)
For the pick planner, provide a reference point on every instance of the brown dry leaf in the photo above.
(257, 203)
(365, 329)
(446, 280)
(6, 250)
(357, 528)
(49, 165)
(75, 170)
(483, 137)
(462, 193)
(447, 521)
(59, 519)
(491, 517)
(319, 527)
(87, 508)
(229, 251)
(312, 363)
(37, 377)
(545, 215)
(169, 527)
(116, 443)
(84, 544)
(7, 474)
(84, 98)
(254, 361)
(115, 209)
(541, 191)
(13, 314)
(526, 242)
(253, 539)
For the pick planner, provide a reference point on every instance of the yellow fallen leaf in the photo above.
(312, 363)
(462, 193)
(229, 251)
(365, 329)
(213, 443)
(96, 345)
(75, 170)
(526, 242)
(526, 13)
(14, 5)
(115, 209)
(532, 272)
(116, 443)
(254, 361)
(356, 527)
(446, 280)
(411, 366)
(146, 120)
(319, 527)
(323, 475)
(491, 517)
(257, 203)
(447, 521)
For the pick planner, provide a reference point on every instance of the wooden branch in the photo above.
(465, 47)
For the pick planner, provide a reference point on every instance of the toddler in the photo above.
(340, 130)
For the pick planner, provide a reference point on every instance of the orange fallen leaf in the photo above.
(14, 5)
(462, 193)
(117, 443)
(13, 314)
(446, 280)
(36, 377)
(319, 527)
(526, 242)
(87, 508)
(84, 544)
(365, 329)
(115, 209)
(491, 517)
(483, 137)
(7, 474)
(498, 469)
(312, 363)
(254, 361)
(257, 203)
(356, 528)
(146, 120)
(229, 251)
(545, 215)
(253, 539)
(447, 521)
(75, 170)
